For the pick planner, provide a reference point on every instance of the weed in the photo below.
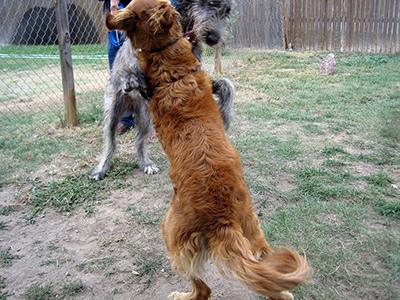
(144, 218)
(73, 288)
(390, 209)
(330, 151)
(52, 246)
(48, 262)
(3, 225)
(2, 283)
(333, 163)
(96, 265)
(148, 266)
(6, 210)
(65, 195)
(380, 179)
(6, 257)
(39, 292)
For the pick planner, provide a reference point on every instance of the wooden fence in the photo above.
(346, 25)
(256, 24)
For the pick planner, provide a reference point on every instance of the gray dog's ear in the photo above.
(163, 17)
(121, 20)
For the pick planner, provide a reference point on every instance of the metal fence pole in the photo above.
(67, 72)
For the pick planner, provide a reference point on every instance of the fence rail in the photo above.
(346, 25)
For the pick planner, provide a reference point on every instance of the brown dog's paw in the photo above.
(179, 296)
(283, 296)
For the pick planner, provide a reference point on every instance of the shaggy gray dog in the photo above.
(204, 21)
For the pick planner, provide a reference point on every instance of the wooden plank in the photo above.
(396, 32)
(331, 24)
(365, 26)
(67, 72)
(282, 11)
(343, 27)
(337, 8)
(373, 26)
(304, 25)
(351, 24)
(392, 8)
(358, 32)
(377, 25)
(386, 45)
(325, 24)
(396, 28)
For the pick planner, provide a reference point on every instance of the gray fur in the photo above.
(123, 90)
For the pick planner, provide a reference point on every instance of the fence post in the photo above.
(282, 14)
(67, 72)
(217, 61)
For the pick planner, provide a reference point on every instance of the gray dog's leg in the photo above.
(144, 131)
(113, 109)
(225, 92)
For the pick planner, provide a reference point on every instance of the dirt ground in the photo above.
(102, 251)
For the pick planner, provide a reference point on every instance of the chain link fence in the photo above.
(30, 73)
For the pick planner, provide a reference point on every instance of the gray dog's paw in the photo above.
(130, 83)
(97, 175)
(151, 169)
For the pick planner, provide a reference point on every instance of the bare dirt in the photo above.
(104, 251)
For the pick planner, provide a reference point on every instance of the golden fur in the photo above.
(211, 214)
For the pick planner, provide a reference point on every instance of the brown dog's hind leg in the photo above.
(200, 291)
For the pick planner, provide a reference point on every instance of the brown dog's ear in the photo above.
(120, 20)
(162, 19)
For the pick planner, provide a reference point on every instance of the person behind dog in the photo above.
(115, 40)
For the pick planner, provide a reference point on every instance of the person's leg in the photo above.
(112, 53)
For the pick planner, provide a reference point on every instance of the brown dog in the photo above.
(211, 214)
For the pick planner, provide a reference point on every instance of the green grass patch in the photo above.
(6, 210)
(97, 265)
(73, 288)
(144, 218)
(3, 225)
(335, 240)
(321, 184)
(6, 258)
(77, 191)
(2, 282)
(39, 292)
(380, 179)
(389, 209)
(147, 266)
(65, 195)
(330, 151)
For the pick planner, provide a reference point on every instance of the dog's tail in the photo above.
(277, 272)
(225, 91)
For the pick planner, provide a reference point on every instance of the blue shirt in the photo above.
(176, 4)
(116, 38)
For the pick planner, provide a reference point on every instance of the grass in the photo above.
(148, 266)
(3, 225)
(320, 155)
(39, 292)
(3, 295)
(6, 258)
(144, 218)
(97, 265)
(73, 288)
(6, 210)
(25, 63)
(380, 179)
(75, 191)
(390, 209)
